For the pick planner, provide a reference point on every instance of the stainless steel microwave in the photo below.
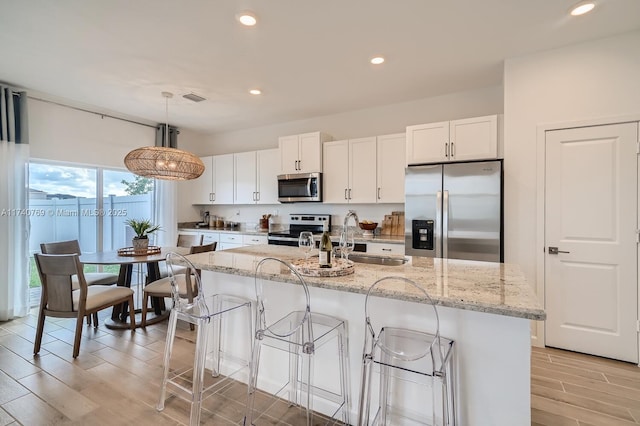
(300, 187)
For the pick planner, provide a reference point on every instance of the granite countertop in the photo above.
(495, 288)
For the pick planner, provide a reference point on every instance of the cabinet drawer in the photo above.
(254, 239)
(228, 246)
(230, 238)
(210, 237)
(380, 248)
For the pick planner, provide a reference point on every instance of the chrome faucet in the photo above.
(351, 213)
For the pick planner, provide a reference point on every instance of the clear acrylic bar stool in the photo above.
(208, 314)
(301, 333)
(416, 368)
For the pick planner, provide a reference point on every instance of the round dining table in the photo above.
(120, 313)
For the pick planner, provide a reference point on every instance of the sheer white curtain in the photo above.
(166, 212)
(14, 216)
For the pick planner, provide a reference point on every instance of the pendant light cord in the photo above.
(167, 96)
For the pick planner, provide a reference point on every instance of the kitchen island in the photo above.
(485, 307)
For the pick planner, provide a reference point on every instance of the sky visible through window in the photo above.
(75, 181)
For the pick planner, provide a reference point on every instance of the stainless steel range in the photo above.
(297, 224)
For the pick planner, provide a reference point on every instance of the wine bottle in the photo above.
(325, 247)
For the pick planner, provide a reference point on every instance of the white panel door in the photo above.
(591, 294)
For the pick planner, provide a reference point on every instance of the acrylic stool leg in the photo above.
(307, 378)
(343, 353)
(198, 371)
(385, 372)
(168, 347)
(253, 379)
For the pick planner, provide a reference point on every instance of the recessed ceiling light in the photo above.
(582, 8)
(247, 18)
(255, 91)
(377, 60)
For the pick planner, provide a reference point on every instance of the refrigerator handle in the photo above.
(437, 231)
(445, 224)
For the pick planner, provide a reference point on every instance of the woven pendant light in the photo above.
(163, 162)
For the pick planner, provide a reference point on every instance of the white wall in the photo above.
(367, 122)
(382, 120)
(64, 134)
(591, 80)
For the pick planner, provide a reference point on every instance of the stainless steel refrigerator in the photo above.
(454, 210)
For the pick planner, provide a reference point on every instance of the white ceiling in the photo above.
(310, 58)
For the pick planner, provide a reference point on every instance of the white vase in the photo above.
(140, 245)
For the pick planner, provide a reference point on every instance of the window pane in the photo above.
(66, 195)
(125, 196)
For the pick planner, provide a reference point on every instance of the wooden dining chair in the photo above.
(92, 278)
(162, 287)
(73, 247)
(188, 240)
(60, 299)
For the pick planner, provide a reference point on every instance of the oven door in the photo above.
(300, 187)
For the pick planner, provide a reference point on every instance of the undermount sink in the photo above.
(378, 260)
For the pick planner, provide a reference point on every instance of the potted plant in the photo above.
(143, 228)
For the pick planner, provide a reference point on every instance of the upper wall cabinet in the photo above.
(459, 140)
(215, 185)
(364, 170)
(256, 180)
(349, 173)
(390, 169)
(302, 153)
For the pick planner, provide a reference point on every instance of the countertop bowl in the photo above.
(368, 226)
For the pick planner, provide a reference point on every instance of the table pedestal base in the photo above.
(152, 318)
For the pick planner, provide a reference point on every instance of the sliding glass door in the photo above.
(88, 204)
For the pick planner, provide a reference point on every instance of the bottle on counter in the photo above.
(324, 257)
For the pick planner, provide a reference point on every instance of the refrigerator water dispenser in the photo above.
(422, 232)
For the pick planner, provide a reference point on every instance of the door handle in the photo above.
(345, 194)
(453, 150)
(378, 193)
(554, 250)
(349, 193)
(446, 150)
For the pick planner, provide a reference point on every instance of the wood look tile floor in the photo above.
(115, 381)
(569, 388)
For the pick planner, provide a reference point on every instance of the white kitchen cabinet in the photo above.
(256, 179)
(350, 171)
(215, 185)
(384, 248)
(458, 140)
(390, 168)
(210, 237)
(202, 187)
(302, 153)
(245, 170)
(230, 241)
(223, 179)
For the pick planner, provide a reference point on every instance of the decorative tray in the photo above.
(311, 268)
(130, 251)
